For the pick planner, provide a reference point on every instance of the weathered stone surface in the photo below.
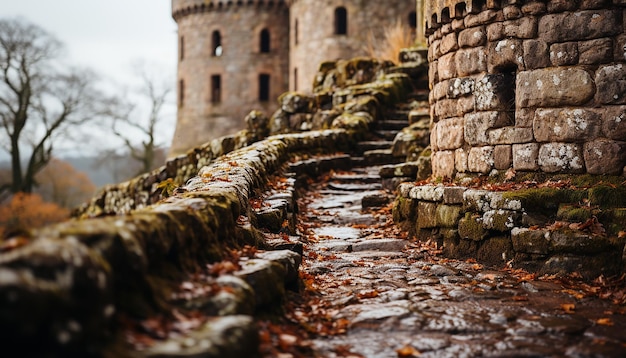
(460, 87)
(426, 192)
(443, 163)
(579, 25)
(535, 54)
(449, 43)
(471, 227)
(596, 51)
(222, 337)
(502, 157)
(407, 169)
(460, 160)
(525, 156)
(554, 87)
(465, 105)
(530, 241)
(445, 108)
(440, 90)
(446, 66)
(453, 195)
(575, 242)
(290, 261)
(495, 251)
(533, 8)
(477, 200)
(563, 54)
(448, 215)
(495, 92)
(483, 17)
(473, 37)
(611, 83)
(426, 215)
(266, 279)
(566, 125)
(433, 72)
(471, 61)
(614, 122)
(449, 133)
(409, 138)
(523, 28)
(511, 12)
(510, 135)
(480, 160)
(505, 53)
(589, 267)
(380, 245)
(524, 117)
(561, 157)
(604, 156)
(501, 220)
(477, 125)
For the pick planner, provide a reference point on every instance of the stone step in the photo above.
(380, 157)
(413, 55)
(392, 124)
(386, 134)
(417, 115)
(357, 178)
(362, 147)
(397, 115)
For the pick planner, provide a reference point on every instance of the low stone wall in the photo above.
(544, 230)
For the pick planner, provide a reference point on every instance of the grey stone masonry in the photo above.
(527, 85)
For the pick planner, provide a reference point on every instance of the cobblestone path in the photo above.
(371, 292)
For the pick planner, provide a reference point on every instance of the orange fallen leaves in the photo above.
(568, 307)
(407, 352)
(605, 322)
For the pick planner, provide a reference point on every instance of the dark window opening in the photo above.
(216, 44)
(216, 89)
(341, 21)
(264, 87)
(265, 41)
(507, 90)
(295, 31)
(295, 79)
(433, 21)
(182, 48)
(181, 92)
(413, 19)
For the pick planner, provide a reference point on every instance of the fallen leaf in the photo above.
(520, 298)
(604, 322)
(408, 351)
(568, 307)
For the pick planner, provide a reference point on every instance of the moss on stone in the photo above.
(575, 213)
(471, 227)
(545, 200)
(608, 196)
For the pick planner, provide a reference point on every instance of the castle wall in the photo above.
(528, 85)
(200, 118)
(316, 39)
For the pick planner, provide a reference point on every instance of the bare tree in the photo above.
(156, 95)
(40, 100)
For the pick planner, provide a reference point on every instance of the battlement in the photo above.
(438, 12)
(182, 8)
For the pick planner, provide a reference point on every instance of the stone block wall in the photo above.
(528, 85)
(517, 228)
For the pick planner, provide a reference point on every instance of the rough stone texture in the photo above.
(525, 156)
(460, 160)
(563, 54)
(470, 61)
(494, 92)
(480, 159)
(566, 125)
(604, 156)
(477, 125)
(614, 122)
(554, 87)
(449, 133)
(505, 53)
(611, 83)
(561, 157)
(443, 164)
(510, 135)
(595, 51)
(502, 157)
(578, 25)
(472, 37)
(535, 54)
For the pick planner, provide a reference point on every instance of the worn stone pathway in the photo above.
(373, 293)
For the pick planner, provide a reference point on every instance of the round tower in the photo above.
(534, 86)
(323, 30)
(232, 57)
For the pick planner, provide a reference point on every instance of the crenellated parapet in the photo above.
(185, 7)
(439, 12)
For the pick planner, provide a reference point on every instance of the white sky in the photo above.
(107, 36)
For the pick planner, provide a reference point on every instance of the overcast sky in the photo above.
(107, 36)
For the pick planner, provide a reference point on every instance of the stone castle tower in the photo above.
(528, 85)
(239, 55)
